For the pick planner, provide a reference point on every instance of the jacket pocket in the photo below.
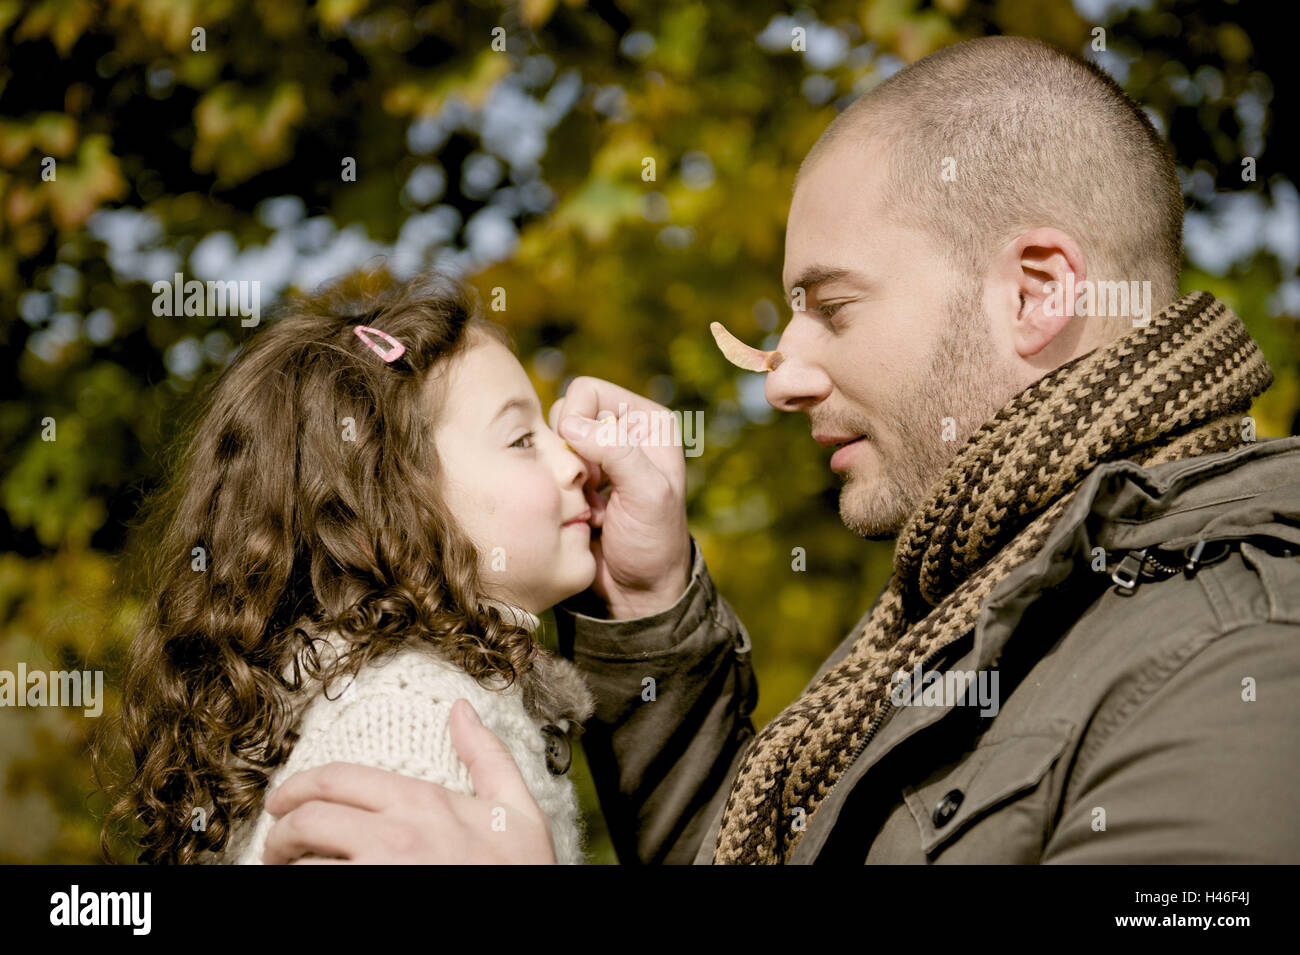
(997, 770)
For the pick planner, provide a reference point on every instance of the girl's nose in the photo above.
(575, 467)
(580, 473)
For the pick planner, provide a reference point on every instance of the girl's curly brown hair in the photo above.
(303, 499)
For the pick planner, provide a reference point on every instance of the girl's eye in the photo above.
(828, 310)
(521, 438)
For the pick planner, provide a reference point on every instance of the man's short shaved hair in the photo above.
(1030, 136)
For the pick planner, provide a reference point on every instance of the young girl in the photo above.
(363, 527)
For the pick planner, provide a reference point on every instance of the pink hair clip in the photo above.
(392, 354)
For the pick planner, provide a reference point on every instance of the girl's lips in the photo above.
(582, 518)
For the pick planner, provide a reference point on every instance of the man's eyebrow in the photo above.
(818, 275)
(517, 402)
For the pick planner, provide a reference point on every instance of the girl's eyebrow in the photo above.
(518, 402)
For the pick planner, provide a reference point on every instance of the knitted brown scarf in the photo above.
(1176, 388)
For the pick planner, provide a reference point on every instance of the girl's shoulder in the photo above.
(415, 671)
(395, 714)
(418, 682)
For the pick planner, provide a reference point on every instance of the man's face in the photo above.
(892, 344)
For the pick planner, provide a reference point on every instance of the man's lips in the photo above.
(846, 447)
(826, 440)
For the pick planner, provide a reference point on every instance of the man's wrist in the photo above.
(638, 606)
(630, 605)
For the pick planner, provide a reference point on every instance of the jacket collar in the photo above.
(554, 690)
(555, 693)
(1121, 506)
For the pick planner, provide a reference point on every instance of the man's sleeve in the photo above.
(674, 692)
(1205, 769)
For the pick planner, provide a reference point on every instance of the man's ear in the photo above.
(1037, 274)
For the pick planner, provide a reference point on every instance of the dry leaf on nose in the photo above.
(742, 355)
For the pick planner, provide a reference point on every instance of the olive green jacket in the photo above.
(1152, 723)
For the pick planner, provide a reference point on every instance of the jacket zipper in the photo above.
(878, 722)
(1142, 564)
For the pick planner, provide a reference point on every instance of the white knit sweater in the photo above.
(395, 714)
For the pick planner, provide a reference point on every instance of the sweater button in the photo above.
(947, 808)
(558, 753)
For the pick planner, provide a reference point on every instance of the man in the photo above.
(1091, 542)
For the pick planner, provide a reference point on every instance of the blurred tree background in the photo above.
(507, 142)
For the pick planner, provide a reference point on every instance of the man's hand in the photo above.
(342, 812)
(643, 548)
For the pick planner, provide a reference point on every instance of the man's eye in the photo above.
(828, 310)
(521, 438)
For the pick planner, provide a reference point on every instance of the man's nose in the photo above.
(799, 381)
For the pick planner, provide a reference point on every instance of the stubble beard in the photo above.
(963, 382)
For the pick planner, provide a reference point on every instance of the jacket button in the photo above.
(947, 808)
(558, 754)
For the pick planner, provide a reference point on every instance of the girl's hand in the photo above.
(342, 812)
(642, 547)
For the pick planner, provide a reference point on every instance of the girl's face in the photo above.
(511, 483)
